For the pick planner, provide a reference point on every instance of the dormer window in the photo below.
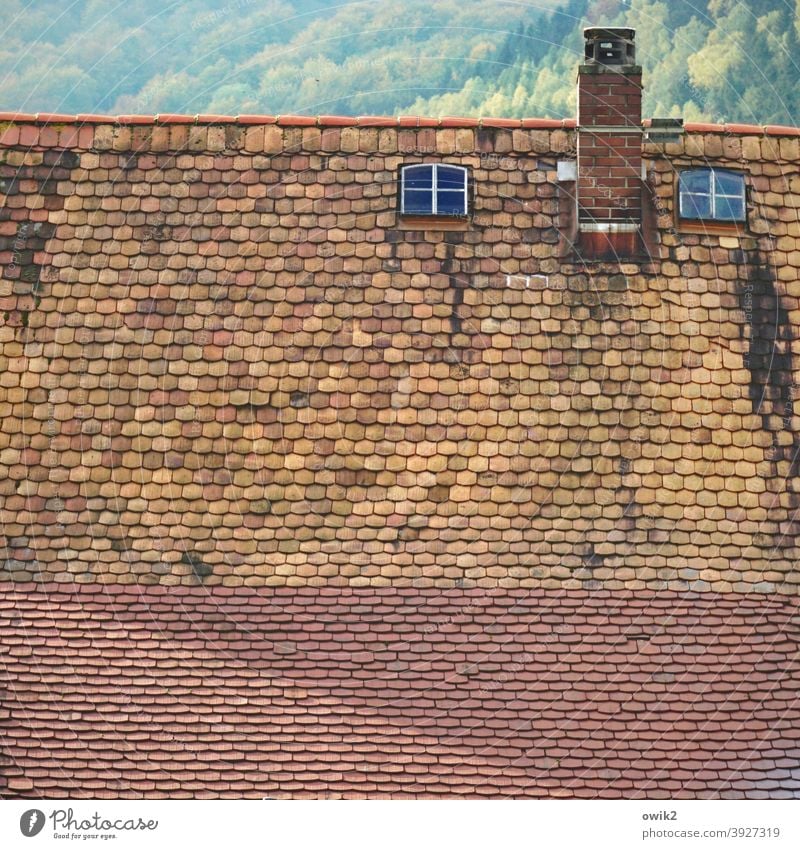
(712, 194)
(439, 190)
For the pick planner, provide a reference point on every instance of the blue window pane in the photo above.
(418, 202)
(434, 190)
(695, 206)
(449, 178)
(450, 203)
(726, 183)
(711, 194)
(418, 177)
(696, 181)
(729, 209)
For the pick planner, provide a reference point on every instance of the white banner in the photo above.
(407, 824)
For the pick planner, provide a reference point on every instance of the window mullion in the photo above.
(712, 178)
(434, 185)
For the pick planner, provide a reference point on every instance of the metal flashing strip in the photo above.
(608, 226)
(664, 130)
(600, 130)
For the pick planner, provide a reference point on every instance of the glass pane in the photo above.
(695, 206)
(448, 177)
(418, 177)
(418, 202)
(696, 181)
(726, 183)
(450, 203)
(729, 209)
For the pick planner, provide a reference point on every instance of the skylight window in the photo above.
(712, 194)
(434, 190)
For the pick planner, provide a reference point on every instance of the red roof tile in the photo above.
(54, 118)
(157, 691)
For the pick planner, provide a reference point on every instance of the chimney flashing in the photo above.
(609, 226)
(600, 130)
(596, 68)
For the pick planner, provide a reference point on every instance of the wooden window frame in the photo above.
(435, 220)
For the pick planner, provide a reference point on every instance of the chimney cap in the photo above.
(610, 47)
(609, 32)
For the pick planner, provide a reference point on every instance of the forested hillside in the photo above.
(710, 59)
(717, 60)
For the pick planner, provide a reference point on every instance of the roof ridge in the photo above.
(400, 121)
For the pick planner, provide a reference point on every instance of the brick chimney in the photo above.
(609, 186)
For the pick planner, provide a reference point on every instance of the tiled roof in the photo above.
(226, 358)
(152, 691)
(418, 121)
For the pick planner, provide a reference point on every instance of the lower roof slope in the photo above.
(212, 691)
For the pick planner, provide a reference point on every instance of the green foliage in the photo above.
(703, 59)
(720, 60)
